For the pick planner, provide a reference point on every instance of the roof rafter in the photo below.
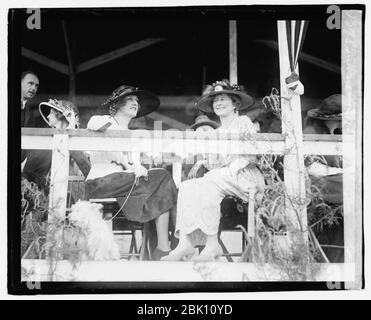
(55, 65)
(117, 53)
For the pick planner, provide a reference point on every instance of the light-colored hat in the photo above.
(67, 108)
(205, 103)
(329, 109)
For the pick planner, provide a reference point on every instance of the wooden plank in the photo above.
(233, 52)
(177, 173)
(71, 65)
(158, 271)
(59, 175)
(115, 54)
(39, 58)
(351, 64)
(83, 139)
(306, 57)
(291, 126)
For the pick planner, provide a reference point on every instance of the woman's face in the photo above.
(223, 105)
(55, 118)
(130, 106)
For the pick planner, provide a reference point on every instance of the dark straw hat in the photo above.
(329, 109)
(205, 103)
(204, 120)
(148, 102)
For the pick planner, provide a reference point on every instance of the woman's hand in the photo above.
(140, 171)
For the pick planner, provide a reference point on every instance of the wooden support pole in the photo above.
(71, 65)
(351, 76)
(59, 175)
(294, 169)
(233, 52)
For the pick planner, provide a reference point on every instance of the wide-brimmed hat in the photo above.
(205, 103)
(329, 109)
(204, 120)
(148, 102)
(67, 108)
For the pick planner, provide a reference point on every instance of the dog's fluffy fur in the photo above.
(99, 239)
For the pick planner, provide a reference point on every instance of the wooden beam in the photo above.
(352, 87)
(55, 65)
(233, 52)
(294, 169)
(59, 175)
(158, 271)
(83, 139)
(71, 65)
(306, 57)
(115, 54)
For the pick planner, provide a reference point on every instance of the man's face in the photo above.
(29, 86)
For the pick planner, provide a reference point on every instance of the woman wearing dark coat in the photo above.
(114, 174)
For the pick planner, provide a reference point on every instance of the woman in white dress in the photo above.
(198, 207)
(113, 174)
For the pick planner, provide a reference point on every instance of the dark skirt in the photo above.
(148, 200)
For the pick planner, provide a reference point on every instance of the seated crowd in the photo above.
(192, 211)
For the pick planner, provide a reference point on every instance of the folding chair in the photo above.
(234, 212)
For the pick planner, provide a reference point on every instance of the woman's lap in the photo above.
(148, 200)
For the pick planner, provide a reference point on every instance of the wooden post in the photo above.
(233, 52)
(292, 128)
(59, 175)
(351, 76)
(177, 173)
(71, 65)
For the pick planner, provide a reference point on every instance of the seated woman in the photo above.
(60, 114)
(198, 208)
(114, 174)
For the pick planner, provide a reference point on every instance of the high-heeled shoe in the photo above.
(179, 255)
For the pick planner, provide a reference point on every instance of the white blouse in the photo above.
(107, 162)
(240, 125)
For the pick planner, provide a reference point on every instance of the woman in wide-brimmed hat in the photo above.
(198, 208)
(114, 173)
(60, 114)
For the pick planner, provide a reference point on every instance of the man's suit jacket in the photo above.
(27, 118)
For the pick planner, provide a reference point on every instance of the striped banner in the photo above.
(296, 31)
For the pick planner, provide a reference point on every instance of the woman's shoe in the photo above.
(158, 254)
(178, 255)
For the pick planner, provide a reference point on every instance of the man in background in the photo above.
(29, 86)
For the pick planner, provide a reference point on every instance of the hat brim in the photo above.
(44, 109)
(148, 102)
(205, 103)
(318, 114)
(204, 123)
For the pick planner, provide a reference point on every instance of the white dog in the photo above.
(100, 243)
